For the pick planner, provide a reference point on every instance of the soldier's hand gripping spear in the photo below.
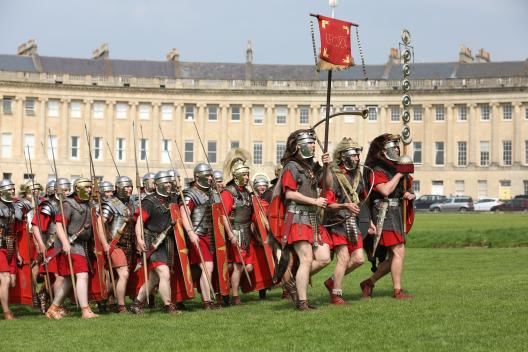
(100, 226)
(140, 217)
(34, 197)
(239, 251)
(62, 228)
(188, 217)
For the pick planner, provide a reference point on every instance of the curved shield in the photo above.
(98, 290)
(221, 272)
(22, 293)
(182, 283)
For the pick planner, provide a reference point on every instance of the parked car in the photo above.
(516, 204)
(486, 204)
(522, 196)
(423, 202)
(461, 203)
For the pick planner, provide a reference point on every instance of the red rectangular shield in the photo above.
(221, 271)
(182, 281)
(22, 292)
(98, 290)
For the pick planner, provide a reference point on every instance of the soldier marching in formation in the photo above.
(268, 234)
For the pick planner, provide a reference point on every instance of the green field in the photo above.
(469, 299)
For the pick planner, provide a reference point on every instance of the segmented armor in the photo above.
(240, 215)
(120, 215)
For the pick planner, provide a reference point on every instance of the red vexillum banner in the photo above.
(336, 52)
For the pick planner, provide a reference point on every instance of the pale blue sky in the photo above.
(217, 31)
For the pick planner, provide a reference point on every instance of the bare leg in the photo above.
(4, 291)
(321, 258)
(62, 291)
(343, 259)
(398, 252)
(164, 283)
(57, 283)
(204, 283)
(82, 289)
(357, 258)
(121, 284)
(235, 278)
(152, 282)
(305, 253)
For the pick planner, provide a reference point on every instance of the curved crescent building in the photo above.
(469, 119)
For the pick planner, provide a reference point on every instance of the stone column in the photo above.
(472, 146)
(43, 131)
(267, 147)
(383, 117)
(224, 143)
(63, 135)
(428, 142)
(18, 129)
(495, 143)
(134, 139)
(156, 136)
(87, 119)
(246, 142)
(450, 143)
(517, 142)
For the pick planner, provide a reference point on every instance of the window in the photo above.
(7, 105)
(234, 144)
(281, 148)
(484, 153)
(98, 148)
(439, 113)
(417, 113)
(74, 147)
(28, 177)
(416, 186)
(349, 118)
(304, 115)
(211, 151)
(459, 188)
(30, 107)
(53, 108)
(507, 112)
(258, 114)
(144, 111)
(462, 153)
(257, 153)
(121, 111)
(75, 109)
(98, 110)
(120, 149)
(189, 112)
(322, 111)
(485, 112)
(506, 153)
(143, 149)
(439, 153)
(166, 112)
(29, 141)
(281, 112)
(417, 152)
(52, 142)
(395, 113)
(372, 113)
(526, 112)
(525, 187)
(7, 175)
(189, 151)
(462, 113)
(7, 142)
(212, 112)
(165, 150)
(235, 112)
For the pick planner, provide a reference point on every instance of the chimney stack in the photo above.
(464, 55)
(102, 52)
(482, 56)
(28, 48)
(174, 57)
(394, 56)
(249, 61)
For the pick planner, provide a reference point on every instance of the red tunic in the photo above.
(204, 242)
(301, 232)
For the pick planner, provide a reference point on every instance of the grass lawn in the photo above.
(467, 299)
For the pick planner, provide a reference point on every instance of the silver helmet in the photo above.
(161, 178)
(260, 180)
(50, 188)
(29, 187)
(303, 139)
(7, 190)
(62, 187)
(202, 172)
(120, 184)
(106, 186)
(148, 182)
(175, 176)
(391, 148)
(345, 153)
(80, 188)
(218, 176)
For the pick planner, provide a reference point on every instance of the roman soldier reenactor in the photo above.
(77, 246)
(148, 183)
(158, 231)
(238, 207)
(303, 228)
(45, 233)
(120, 240)
(218, 176)
(199, 200)
(388, 196)
(8, 255)
(341, 215)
